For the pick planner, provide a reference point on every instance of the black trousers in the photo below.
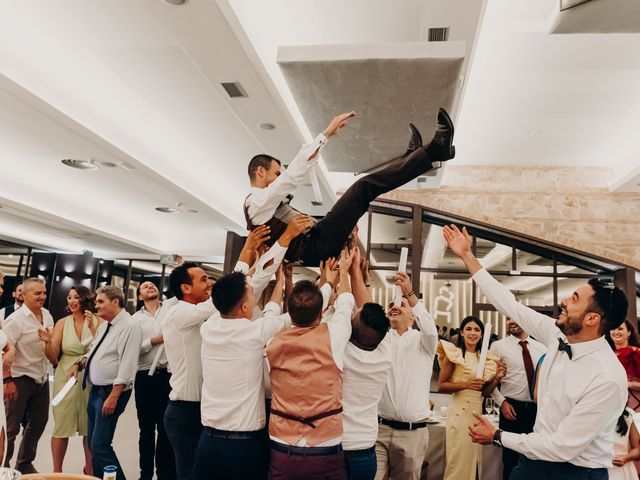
(525, 419)
(539, 469)
(152, 397)
(231, 455)
(183, 425)
(328, 237)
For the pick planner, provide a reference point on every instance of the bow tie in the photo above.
(565, 347)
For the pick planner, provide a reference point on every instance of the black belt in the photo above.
(231, 435)
(521, 403)
(306, 420)
(306, 451)
(396, 425)
(361, 451)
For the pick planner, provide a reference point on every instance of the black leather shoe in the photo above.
(416, 139)
(441, 147)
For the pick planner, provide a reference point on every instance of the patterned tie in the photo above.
(86, 371)
(528, 364)
(565, 347)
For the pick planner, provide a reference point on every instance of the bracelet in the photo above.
(7, 379)
(409, 294)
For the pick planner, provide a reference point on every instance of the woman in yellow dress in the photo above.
(72, 336)
(458, 365)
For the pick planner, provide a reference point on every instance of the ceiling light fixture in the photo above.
(403, 239)
(172, 210)
(175, 3)
(266, 126)
(108, 164)
(403, 221)
(79, 164)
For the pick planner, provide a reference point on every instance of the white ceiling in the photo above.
(139, 82)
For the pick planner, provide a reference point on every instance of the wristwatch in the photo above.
(497, 438)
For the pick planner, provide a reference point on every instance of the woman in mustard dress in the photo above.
(458, 366)
(72, 336)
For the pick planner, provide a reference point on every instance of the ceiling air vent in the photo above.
(438, 34)
(234, 89)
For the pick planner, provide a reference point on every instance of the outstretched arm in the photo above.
(538, 325)
(263, 202)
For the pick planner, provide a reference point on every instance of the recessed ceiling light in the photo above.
(266, 126)
(80, 164)
(403, 221)
(175, 3)
(192, 210)
(403, 239)
(173, 210)
(108, 164)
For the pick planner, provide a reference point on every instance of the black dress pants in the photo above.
(541, 470)
(152, 397)
(524, 422)
(328, 237)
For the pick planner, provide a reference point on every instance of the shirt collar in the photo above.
(585, 348)
(29, 313)
(119, 317)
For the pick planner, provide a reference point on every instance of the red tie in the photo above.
(528, 363)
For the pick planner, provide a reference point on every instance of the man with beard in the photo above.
(152, 391)
(403, 410)
(521, 354)
(582, 388)
(18, 299)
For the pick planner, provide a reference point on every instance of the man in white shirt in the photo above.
(111, 365)
(367, 361)
(18, 300)
(271, 189)
(233, 443)
(403, 411)
(582, 387)
(26, 389)
(152, 391)
(182, 340)
(515, 396)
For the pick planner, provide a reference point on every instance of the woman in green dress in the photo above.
(71, 338)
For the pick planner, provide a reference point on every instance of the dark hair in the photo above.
(87, 298)
(610, 303)
(262, 160)
(228, 292)
(15, 287)
(305, 303)
(180, 275)
(465, 320)
(633, 338)
(374, 325)
(622, 427)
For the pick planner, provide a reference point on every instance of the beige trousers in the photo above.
(400, 453)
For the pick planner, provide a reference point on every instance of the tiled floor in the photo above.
(125, 443)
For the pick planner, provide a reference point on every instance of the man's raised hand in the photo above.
(458, 241)
(338, 123)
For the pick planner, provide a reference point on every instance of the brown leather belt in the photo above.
(306, 420)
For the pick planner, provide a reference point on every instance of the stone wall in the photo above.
(564, 205)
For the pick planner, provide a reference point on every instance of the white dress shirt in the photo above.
(263, 202)
(3, 312)
(579, 399)
(22, 331)
(151, 326)
(182, 342)
(116, 360)
(406, 395)
(232, 361)
(515, 383)
(262, 275)
(365, 376)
